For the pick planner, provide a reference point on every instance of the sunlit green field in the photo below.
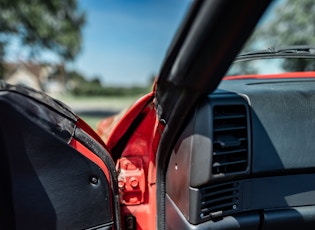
(93, 109)
(91, 120)
(85, 103)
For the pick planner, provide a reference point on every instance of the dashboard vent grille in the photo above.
(230, 141)
(219, 200)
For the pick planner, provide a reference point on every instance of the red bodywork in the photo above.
(136, 164)
(310, 74)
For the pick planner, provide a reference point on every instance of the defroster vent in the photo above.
(219, 200)
(230, 140)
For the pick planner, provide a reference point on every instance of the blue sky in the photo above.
(124, 41)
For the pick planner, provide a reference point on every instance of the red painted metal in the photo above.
(136, 167)
(142, 145)
(84, 126)
(309, 74)
(131, 180)
(113, 128)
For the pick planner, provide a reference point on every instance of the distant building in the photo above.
(44, 77)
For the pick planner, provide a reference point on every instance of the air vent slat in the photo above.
(240, 139)
(228, 128)
(219, 153)
(217, 164)
(213, 202)
(219, 200)
(218, 117)
(222, 206)
(215, 192)
(230, 146)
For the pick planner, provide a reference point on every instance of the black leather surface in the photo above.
(46, 184)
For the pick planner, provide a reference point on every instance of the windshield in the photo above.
(283, 41)
(271, 66)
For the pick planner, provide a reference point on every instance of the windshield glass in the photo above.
(278, 43)
(271, 66)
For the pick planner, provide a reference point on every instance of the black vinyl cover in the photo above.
(282, 123)
(46, 183)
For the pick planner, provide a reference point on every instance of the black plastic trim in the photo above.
(99, 150)
(175, 220)
(277, 192)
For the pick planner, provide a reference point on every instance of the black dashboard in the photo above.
(246, 159)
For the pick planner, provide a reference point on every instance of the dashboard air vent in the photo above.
(230, 141)
(219, 200)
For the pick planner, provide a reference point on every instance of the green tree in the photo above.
(75, 76)
(290, 23)
(96, 81)
(53, 25)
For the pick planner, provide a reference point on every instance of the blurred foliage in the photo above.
(95, 90)
(78, 85)
(42, 24)
(291, 23)
(241, 68)
(298, 65)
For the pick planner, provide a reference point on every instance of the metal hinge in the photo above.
(131, 180)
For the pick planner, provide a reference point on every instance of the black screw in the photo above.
(94, 180)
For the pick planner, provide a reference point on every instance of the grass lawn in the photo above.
(93, 109)
(91, 120)
(97, 103)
